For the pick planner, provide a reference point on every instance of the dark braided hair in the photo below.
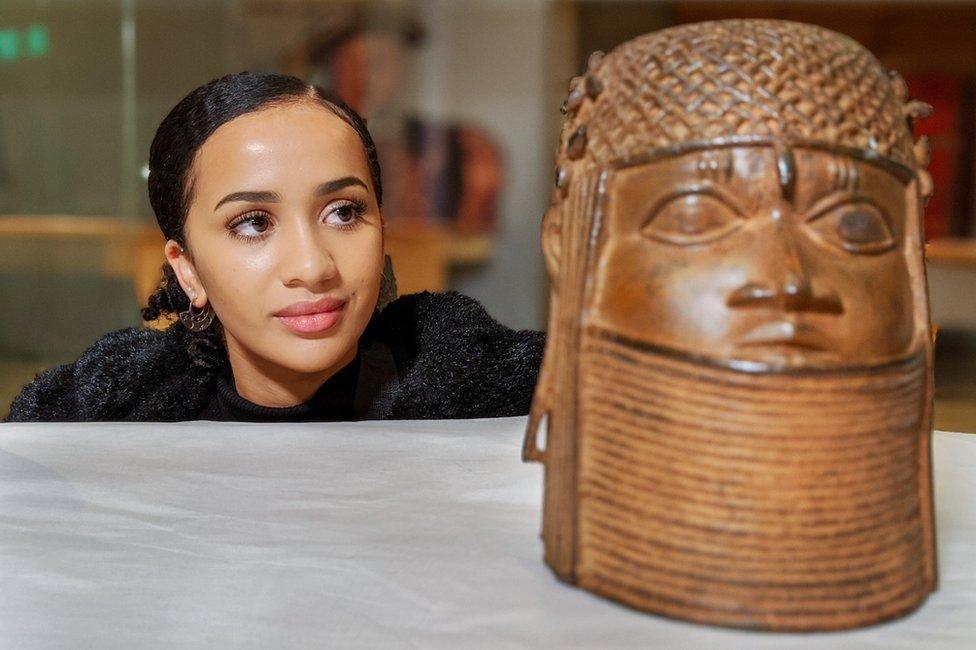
(178, 138)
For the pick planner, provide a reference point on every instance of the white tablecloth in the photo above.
(376, 534)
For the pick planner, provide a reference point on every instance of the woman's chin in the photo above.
(309, 365)
(308, 357)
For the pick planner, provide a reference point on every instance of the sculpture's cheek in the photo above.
(878, 320)
(659, 294)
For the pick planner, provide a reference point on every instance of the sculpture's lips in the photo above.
(786, 333)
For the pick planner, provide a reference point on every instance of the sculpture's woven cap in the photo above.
(737, 78)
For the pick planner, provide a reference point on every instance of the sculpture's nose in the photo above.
(794, 295)
(796, 291)
(784, 280)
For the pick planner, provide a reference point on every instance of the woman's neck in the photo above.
(267, 384)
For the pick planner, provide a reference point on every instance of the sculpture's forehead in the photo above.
(697, 83)
(776, 163)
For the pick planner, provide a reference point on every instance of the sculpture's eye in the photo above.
(691, 218)
(857, 227)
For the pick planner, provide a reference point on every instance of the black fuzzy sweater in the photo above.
(447, 358)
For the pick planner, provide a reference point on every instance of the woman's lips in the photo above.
(313, 323)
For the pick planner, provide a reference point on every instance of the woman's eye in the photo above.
(345, 214)
(251, 225)
(855, 227)
(693, 218)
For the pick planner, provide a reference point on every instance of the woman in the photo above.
(269, 196)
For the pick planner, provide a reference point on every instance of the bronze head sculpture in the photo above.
(737, 383)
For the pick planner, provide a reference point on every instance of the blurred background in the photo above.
(462, 98)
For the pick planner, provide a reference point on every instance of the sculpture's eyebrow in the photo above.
(785, 169)
(267, 196)
(845, 174)
(715, 165)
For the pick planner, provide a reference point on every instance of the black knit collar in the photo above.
(368, 383)
(333, 401)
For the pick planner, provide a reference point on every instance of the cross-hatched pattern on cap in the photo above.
(714, 80)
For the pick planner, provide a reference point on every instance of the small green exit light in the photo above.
(9, 44)
(37, 39)
(34, 42)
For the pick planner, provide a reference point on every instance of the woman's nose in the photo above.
(307, 261)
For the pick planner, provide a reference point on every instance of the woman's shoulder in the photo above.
(120, 376)
(432, 323)
(439, 314)
(455, 360)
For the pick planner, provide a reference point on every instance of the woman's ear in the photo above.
(186, 273)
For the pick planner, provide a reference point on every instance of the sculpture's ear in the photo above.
(552, 241)
(917, 193)
(916, 196)
(542, 399)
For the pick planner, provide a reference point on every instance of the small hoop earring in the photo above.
(197, 319)
(388, 285)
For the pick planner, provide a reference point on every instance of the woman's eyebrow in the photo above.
(334, 186)
(257, 197)
(273, 197)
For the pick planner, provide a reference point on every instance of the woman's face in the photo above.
(283, 211)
